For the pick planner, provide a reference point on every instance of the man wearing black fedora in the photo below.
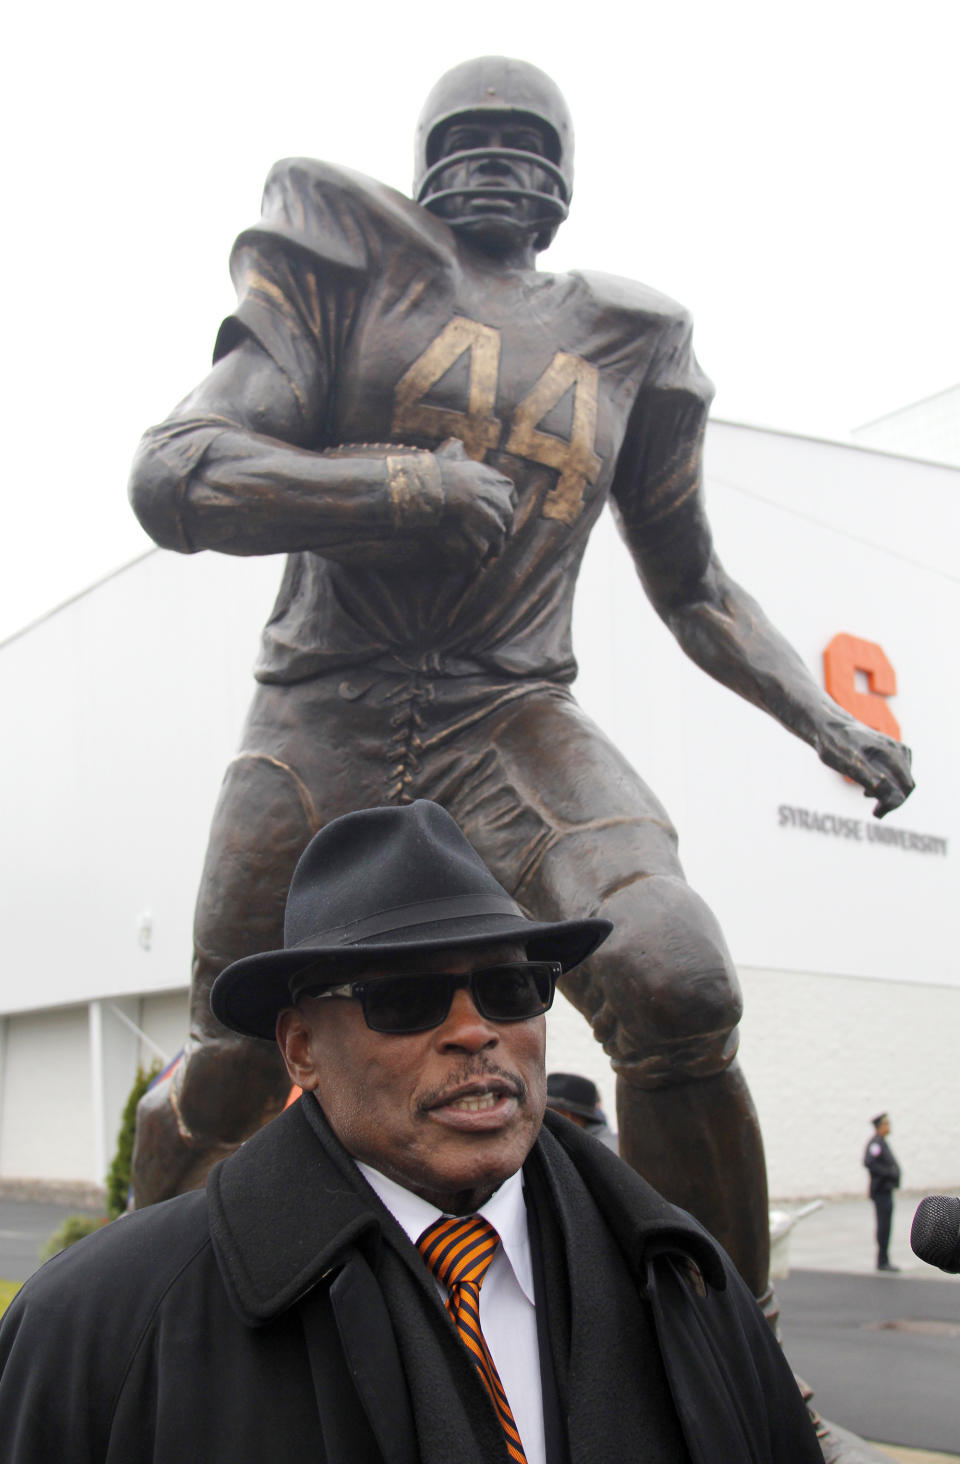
(578, 1099)
(412, 1264)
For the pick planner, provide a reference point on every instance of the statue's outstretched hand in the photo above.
(478, 505)
(879, 764)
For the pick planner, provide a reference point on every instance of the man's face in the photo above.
(491, 222)
(883, 1127)
(449, 1113)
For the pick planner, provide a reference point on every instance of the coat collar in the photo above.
(284, 1210)
(288, 1206)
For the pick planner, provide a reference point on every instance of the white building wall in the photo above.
(925, 429)
(45, 1113)
(163, 1019)
(123, 709)
(122, 712)
(822, 1054)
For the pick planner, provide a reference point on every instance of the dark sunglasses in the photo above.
(513, 992)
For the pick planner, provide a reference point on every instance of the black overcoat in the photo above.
(258, 1321)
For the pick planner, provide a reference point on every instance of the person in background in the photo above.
(578, 1099)
(884, 1179)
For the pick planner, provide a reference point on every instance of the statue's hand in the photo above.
(478, 505)
(880, 765)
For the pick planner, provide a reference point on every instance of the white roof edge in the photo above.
(78, 595)
(862, 447)
(935, 396)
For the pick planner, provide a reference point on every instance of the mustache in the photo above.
(476, 1070)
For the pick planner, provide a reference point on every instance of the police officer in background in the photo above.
(884, 1179)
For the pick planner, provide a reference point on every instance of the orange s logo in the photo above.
(843, 658)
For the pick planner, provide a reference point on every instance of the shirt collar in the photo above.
(505, 1210)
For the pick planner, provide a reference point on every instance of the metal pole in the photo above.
(139, 1032)
(98, 1112)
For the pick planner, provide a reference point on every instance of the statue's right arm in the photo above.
(228, 471)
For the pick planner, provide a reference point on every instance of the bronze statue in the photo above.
(420, 644)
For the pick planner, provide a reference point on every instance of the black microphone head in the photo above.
(935, 1233)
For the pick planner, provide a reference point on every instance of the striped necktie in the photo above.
(458, 1252)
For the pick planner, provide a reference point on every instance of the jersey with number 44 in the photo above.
(578, 387)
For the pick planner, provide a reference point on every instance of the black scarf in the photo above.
(611, 1384)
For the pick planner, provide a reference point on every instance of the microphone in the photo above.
(935, 1233)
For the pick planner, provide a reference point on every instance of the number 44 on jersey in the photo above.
(481, 431)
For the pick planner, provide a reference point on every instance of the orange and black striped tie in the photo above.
(458, 1252)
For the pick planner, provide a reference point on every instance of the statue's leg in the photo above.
(662, 996)
(311, 751)
(568, 825)
(226, 1086)
(683, 1138)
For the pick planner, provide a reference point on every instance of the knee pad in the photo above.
(661, 993)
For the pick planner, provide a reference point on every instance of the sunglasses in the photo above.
(513, 992)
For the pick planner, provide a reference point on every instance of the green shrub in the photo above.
(74, 1228)
(118, 1175)
(8, 1290)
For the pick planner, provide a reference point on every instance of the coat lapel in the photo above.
(287, 1211)
(284, 1212)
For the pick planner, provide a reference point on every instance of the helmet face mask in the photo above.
(482, 185)
(494, 153)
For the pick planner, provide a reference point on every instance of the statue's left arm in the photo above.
(658, 500)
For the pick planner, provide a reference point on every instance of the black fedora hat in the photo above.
(386, 882)
(574, 1094)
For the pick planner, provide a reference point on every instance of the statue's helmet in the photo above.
(497, 85)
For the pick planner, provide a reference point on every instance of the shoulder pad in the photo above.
(618, 293)
(340, 217)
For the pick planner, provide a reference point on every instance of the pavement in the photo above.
(840, 1237)
(882, 1352)
(26, 1226)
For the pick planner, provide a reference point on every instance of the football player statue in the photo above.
(428, 427)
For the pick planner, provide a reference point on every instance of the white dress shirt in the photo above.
(507, 1308)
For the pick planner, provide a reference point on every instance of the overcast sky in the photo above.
(788, 172)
